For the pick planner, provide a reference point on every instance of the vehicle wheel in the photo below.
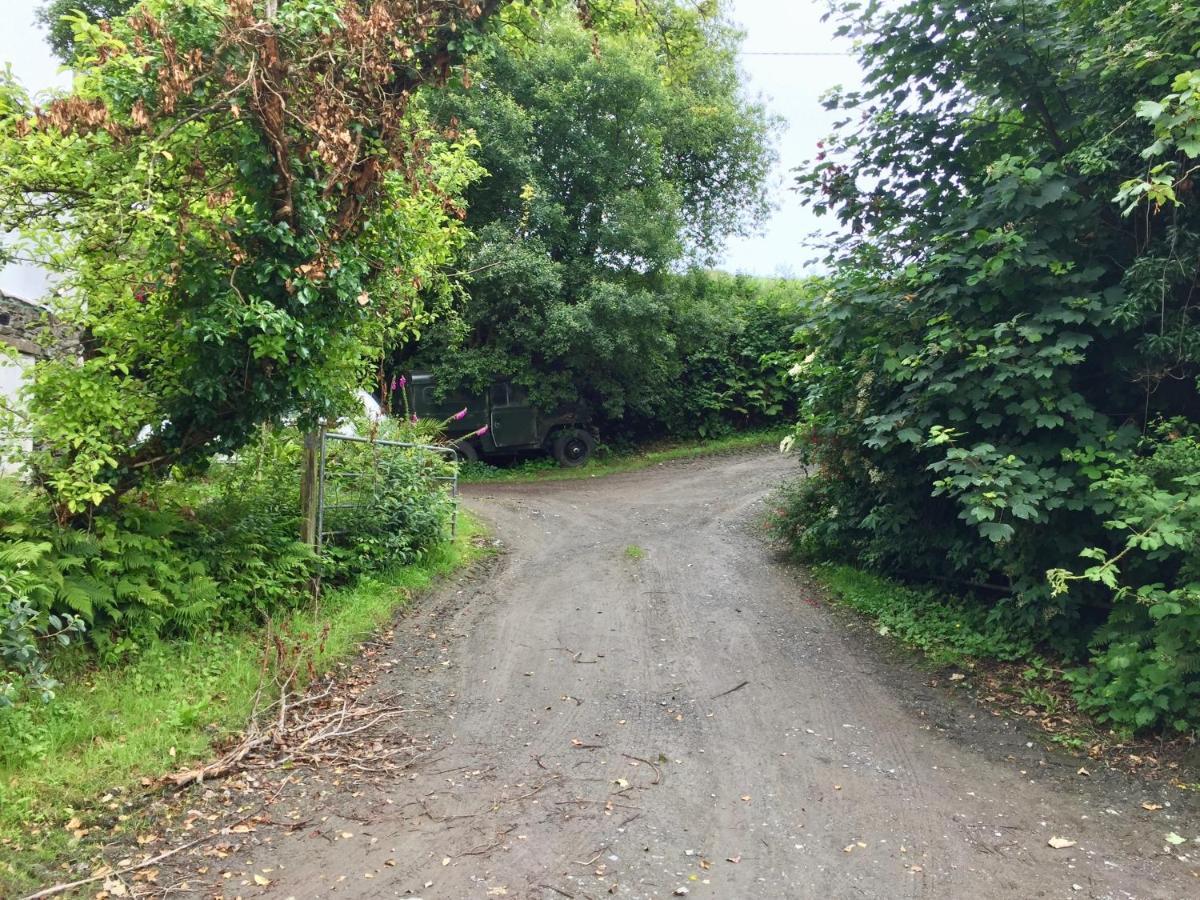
(573, 447)
(464, 451)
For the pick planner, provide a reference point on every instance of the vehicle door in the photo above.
(513, 420)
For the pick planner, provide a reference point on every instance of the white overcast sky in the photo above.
(791, 86)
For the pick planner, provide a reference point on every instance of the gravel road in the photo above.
(637, 699)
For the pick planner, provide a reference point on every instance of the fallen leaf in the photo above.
(1173, 838)
(445, 860)
(705, 864)
(746, 797)
(259, 879)
(734, 859)
(74, 824)
(1153, 807)
(1059, 843)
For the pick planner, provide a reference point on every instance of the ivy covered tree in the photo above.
(617, 150)
(243, 201)
(1013, 317)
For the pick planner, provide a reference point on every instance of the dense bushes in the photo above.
(986, 379)
(216, 551)
(696, 354)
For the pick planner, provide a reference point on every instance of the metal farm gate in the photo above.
(346, 486)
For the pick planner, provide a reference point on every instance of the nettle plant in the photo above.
(243, 201)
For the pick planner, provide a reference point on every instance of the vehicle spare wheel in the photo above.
(573, 447)
(465, 451)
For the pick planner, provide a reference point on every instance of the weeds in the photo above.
(114, 727)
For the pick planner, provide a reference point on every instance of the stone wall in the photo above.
(22, 325)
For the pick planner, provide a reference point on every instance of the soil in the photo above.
(637, 699)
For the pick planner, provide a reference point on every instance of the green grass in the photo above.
(948, 629)
(634, 552)
(610, 463)
(86, 754)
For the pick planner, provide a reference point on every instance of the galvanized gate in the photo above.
(340, 490)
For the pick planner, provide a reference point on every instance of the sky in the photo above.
(791, 86)
(790, 59)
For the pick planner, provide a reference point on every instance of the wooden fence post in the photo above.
(310, 489)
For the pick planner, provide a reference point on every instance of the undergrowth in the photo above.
(112, 727)
(949, 630)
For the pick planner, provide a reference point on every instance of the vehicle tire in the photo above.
(464, 451)
(573, 447)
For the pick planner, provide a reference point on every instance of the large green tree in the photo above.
(243, 201)
(614, 154)
(1014, 310)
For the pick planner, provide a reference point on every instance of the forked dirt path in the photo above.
(687, 717)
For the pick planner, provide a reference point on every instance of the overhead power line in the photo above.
(792, 53)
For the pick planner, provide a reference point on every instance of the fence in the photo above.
(341, 491)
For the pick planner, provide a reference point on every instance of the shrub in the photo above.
(217, 550)
(23, 629)
(982, 378)
(399, 506)
(1145, 664)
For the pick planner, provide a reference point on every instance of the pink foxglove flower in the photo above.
(482, 431)
(413, 418)
(460, 415)
(402, 381)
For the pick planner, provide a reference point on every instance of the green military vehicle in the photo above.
(514, 425)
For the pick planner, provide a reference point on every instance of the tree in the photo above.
(243, 208)
(56, 15)
(1001, 332)
(613, 155)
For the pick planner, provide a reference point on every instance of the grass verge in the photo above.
(613, 462)
(1003, 667)
(949, 630)
(71, 772)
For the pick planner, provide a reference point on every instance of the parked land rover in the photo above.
(514, 424)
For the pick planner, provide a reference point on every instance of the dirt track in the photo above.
(693, 720)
